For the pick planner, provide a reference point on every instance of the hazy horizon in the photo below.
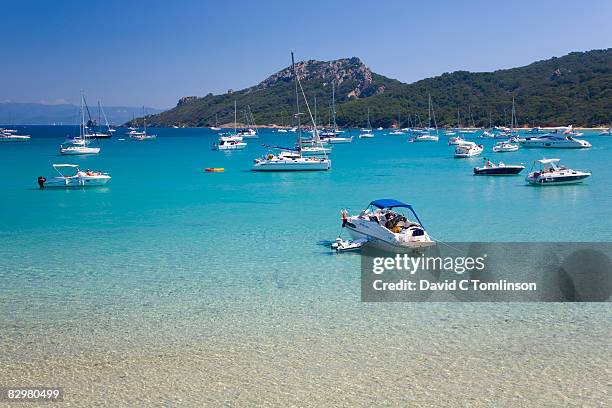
(196, 48)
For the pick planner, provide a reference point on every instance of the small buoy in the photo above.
(214, 169)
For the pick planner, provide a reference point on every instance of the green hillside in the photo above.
(573, 89)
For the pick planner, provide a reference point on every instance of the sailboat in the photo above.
(216, 127)
(98, 134)
(250, 131)
(142, 136)
(294, 161)
(367, 132)
(398, 130)
(428, 137)
(231, 141)
(80, 145)
(334, 138)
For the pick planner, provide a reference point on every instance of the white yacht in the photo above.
(78, 149)
(607, 132)
(331, 136)
(386, 228)
(294, 160)
(79, 178)
(142, 136)
(229, 143)
(468, 149)
(549, 172)
(9, 135)
(366, 133)
(81, 144)
(426, 135)
(339, 139)
(247, 133)
(555, 140)
(456, 141)
(311, 151)
(425, 138)
(507, 146)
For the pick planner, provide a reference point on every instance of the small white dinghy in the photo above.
(341, 245)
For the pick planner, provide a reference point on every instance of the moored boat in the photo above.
(507, 146)
(549, 172)
(80, 178)
(386, 228)
(468, 149)
(500, 169)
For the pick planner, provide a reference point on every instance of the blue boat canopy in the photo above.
(389, 203)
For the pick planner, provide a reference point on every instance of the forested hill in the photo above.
(573, 89)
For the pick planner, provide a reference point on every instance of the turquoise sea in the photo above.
(169, 254)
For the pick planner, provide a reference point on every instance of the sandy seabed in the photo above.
(454, 355)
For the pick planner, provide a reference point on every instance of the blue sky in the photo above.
(153, 52)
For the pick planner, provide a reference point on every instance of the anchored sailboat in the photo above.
(288, 160)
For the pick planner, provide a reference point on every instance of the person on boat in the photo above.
(41, 181)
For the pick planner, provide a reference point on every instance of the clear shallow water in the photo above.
(166, 245)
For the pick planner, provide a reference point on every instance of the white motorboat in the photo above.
(554, 141)
(339, 140)
(487, 135)
(10, 136)
(607, 132)
(425, 138)
(294, 160)
(456, 140)
(549, 172)
(281, 130)
(397, 132)
(500, 169)
(343, 245)
(384, 227)
(227, 143)
(247, 133)
(310, 151)
(79, 178)
(468, 149)
(228, 137)
(501, 147)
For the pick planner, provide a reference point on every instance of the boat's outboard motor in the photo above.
(41, 181)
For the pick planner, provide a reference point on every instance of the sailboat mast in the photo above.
(334, 103)
(99, 118)
(429, 111)
(235, 116)
(82, 125)
(297, 104)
